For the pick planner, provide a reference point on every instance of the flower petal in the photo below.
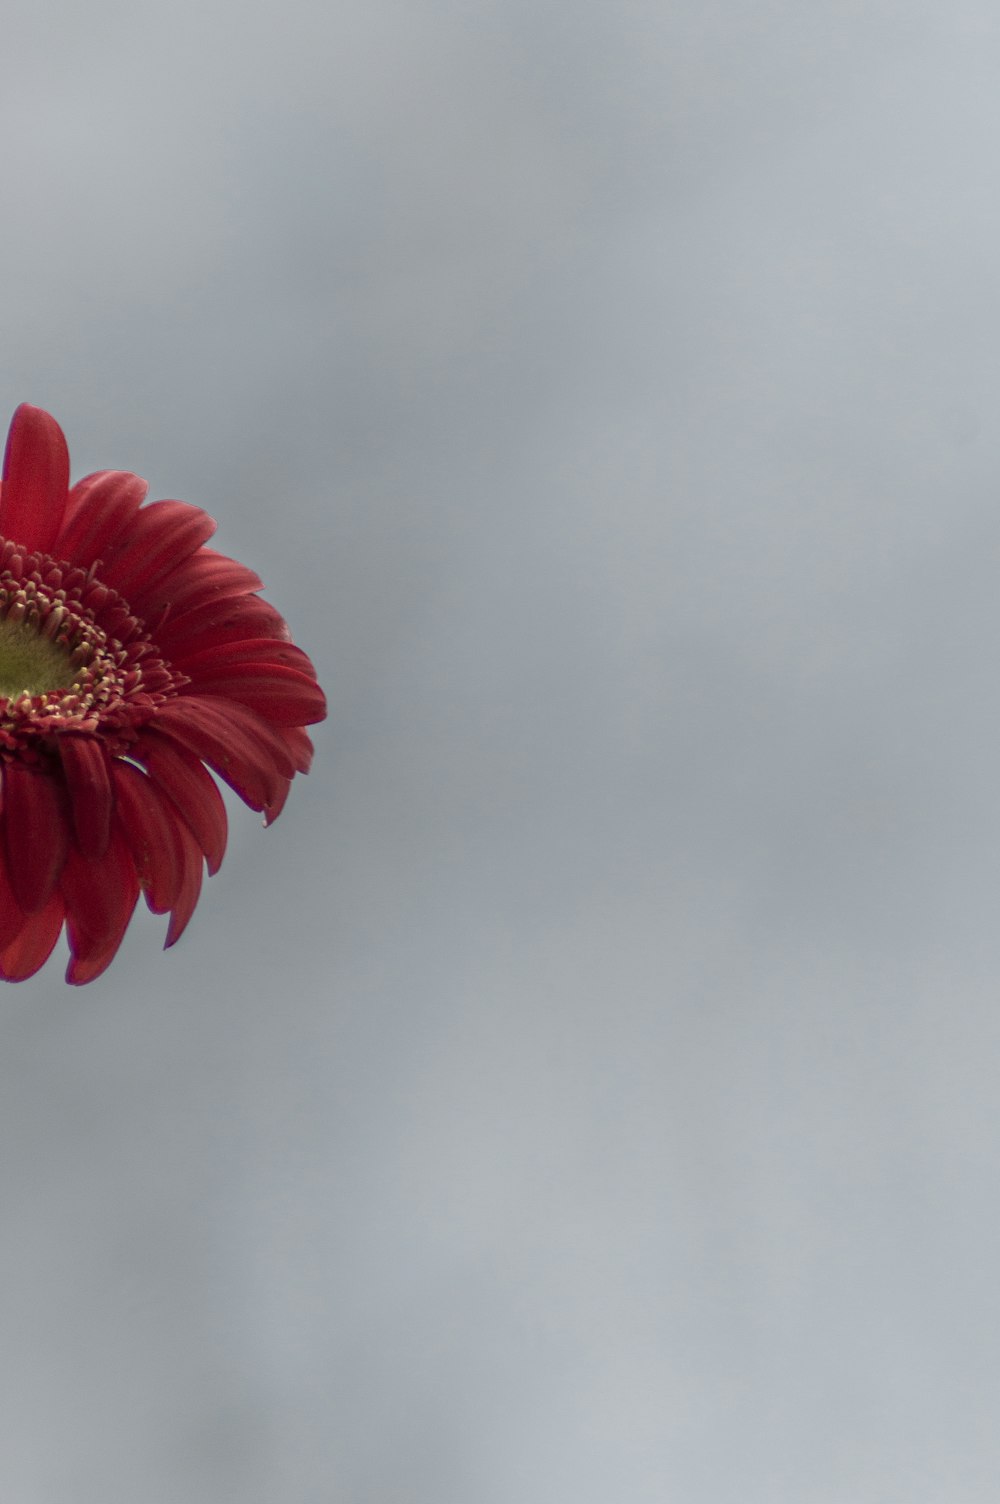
(301, 751)
(83, 969)
(231, 739)
(206, 579)
(36, 833)
(149, 823)
(282, 696)
(167, 857)
(299, 745)
(278, 803)
(12, 916)
(192, 863)
(31, 949)
(201, 657)
(234, 618)
(184, 778)
(99, 507)
(35, 479)
(100, 897)
(86, 767)
(159, 538)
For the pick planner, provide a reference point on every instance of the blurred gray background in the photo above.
(587, 1092)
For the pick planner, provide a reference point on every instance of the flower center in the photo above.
(72, 658)
(31, 664)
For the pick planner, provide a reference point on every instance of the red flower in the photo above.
(130, 657)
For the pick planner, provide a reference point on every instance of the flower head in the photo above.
(131, 656)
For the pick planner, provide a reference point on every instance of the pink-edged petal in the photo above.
(100, 897)
(160, 537)
(31, 949)
(281, 696)
(150, 826)
(85, 764)
(214, 622)
(36, 833)
(184, 778)
(99, 508)
(35, 479)
(242, 749)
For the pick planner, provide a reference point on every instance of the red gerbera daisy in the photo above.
(130, 656)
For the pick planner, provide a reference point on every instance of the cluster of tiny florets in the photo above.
(117, 674)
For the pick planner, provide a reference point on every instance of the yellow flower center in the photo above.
(31, 664)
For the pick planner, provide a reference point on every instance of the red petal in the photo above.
(187, 898)
(35, 479)
(167, 856)
(12, 916)
(100, 897)
(206, 579)
(299, 745)
(277, 804)
(86, 769)
(99, 507)
(231, 739)
(150, 826)
(218, 621)
(282, 696)
(80, 970)
(33, 946)
(301, 751)
(192, 788)
(156, 542)
(198, 658)
(36, 833)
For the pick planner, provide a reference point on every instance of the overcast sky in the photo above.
(587, 1092)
